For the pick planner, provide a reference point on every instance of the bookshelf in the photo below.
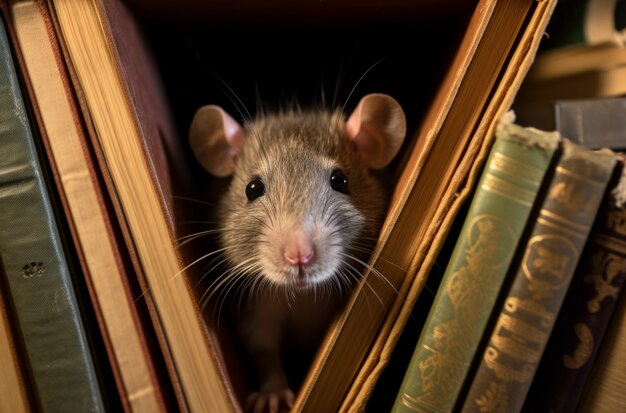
(238, 54)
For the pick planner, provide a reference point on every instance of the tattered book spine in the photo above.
(491, 232)
(531, 306)
(586, 313)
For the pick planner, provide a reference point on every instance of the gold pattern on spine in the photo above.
(515, 304)
(508, 190)
(605, 268)
(547, 264)
(503, 371)
(571, 174)
(583, 350)
(552, 225)
(488, 246)
(616, 221)
(567, 223)
(611, 243)
(574, 198)
(519, 170)
(495, 399)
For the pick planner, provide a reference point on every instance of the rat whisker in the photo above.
(356, 274)
(377, 273)
(191, 237)
(210, 254)
(380, 257)
(199, 201)
(225, 283)
(219, 281)
(207, 273)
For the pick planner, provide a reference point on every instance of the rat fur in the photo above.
(297, 221)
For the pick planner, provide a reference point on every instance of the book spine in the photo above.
(37, 272)
(585, 316)
(551, 254)
(604, 392)
(492, 229)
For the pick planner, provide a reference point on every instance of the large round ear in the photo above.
(377, 128)
(216, 140)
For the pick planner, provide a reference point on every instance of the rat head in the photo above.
(303, 202)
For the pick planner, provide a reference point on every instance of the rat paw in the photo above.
(272, 402)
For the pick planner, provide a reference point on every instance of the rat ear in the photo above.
(377, 128)
(216, 140)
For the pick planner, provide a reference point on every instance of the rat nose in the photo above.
(299, 250)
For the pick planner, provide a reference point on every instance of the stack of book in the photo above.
(527, 315)
(100, 309)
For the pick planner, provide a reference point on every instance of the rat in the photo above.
(302, 211)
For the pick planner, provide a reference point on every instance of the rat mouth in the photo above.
(298, 279)
(302, 281)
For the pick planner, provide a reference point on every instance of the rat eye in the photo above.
(255, 189)
(339, 182)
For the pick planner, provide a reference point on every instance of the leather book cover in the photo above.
(39, 270)
(604, 391)
(145, 168)
(541, 279)
(586, 313)
(493, 227)
(109, 275)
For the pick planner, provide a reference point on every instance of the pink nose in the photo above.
(299, 250)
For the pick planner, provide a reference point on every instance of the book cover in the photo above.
(119, 89)
(583, 58)
(505, 195)
(593, 123)
(106, 267)
(586, 313)
(37, 271)
(550, 256)
(604, 391)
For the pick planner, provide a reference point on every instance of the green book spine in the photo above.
(38, 277)
(551, 255)
(491, 231)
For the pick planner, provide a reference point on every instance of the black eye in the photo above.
(339, 182)
(255, 189)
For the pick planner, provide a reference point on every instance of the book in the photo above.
(600, 73)
(540, 279)
(492, 229)
(587, 58)
(594, 123)
(484, 75)
(107, 273)
(13, 380)
(604, 391)
(138, 150)
(586, 312)
(38, 273)
(585, 21)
